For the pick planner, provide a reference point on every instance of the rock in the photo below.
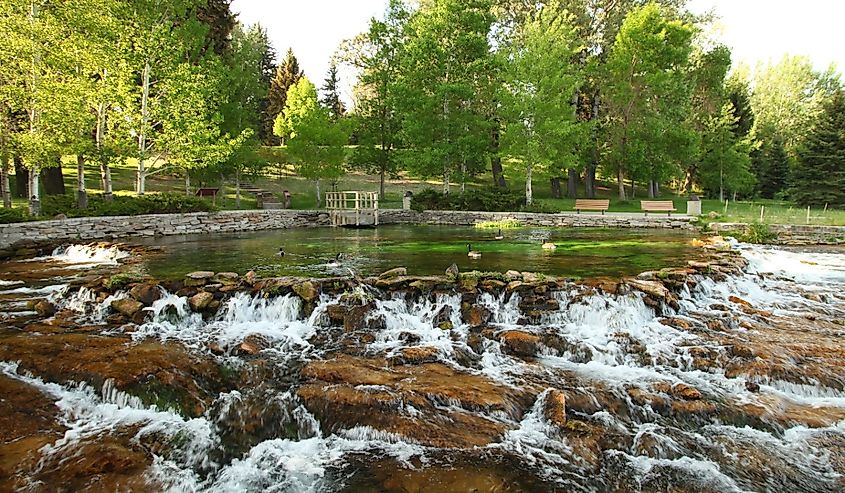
(693, 407)
(200, 301)
(227, 278)
(518, 343)
(216, 348)
(686, 392)
(356, 317)
(253, 344)
(415, 355)
(475, 315)
(198, 278)
(394, 273)
(44, 308)
(443, 318)
(513, 275)
(250, 278)
(146, 293)
(453, 271)
(555, 407)
(530, 277)
(306, 290)
(739, 301)
(655, 289)
(336, 313)
(127, 306)
(60, 217)
(514, 285)
(493, 285)
(752, 387)
(409, 337)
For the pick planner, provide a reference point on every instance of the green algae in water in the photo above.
(423, 250)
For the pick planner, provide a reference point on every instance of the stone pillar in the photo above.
(694, 206)
(406, 200)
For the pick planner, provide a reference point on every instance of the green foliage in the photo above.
(725, 162)
(16, 215)
(287, 74)
(476, 200)
(165, 203)
(819, 175)
(758, 233)
(120, 281)
(331, 95)
(503, 224)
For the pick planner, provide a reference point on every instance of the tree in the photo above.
(331, 95)
(819, 174)
(444, 89)
(539, 85)
(725, 162)
(316, 142)
(377, 55)
(646, 92)
(287, 74)
(770, 165)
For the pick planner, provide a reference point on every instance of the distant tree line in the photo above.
(631, 91)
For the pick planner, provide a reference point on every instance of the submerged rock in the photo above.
(415, 355)
(519, 343)
(555, 407)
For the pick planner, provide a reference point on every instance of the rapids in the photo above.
(738, 386)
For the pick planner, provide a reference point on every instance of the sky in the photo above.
(756, 30)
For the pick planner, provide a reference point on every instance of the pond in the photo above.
(424, 250)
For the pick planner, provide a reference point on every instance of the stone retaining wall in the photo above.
(566, 219)
(793, 234)
(118, 227)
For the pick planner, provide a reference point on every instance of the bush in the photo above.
(475, 200)
(165, 203)
(14, 215)
(756, 233)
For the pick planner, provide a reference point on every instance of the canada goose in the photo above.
(281, 252)
(548, 245)
(499, 235)
(472, 253)
(336, 261)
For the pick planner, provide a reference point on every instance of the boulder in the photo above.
(227, 278)
(146, 293)
(554, 408)
(198, 278)
(336, 313)
(530, 277)
(686, 392)
(453, 271)
(519, 343)
(513, 275)
(306, 290)
(655, 289)
(415, 355)
(475, 315)
(393, 273)
(443, 318)
(127, 306)
(200, 301)
(356, 317)
(250, 277)
(253, 344)
(45, 308)
(739, 301)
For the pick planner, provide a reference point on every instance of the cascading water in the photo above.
(707, 396)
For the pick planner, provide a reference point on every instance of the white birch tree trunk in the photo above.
(142, 134)
(81, 192)
(529, 191)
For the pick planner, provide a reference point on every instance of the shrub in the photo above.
(475, 200)
(756, 233)
(165, 203)
(14, 215)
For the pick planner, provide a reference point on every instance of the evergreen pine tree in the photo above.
(331, 96)
(218, 16)
(819, 174)
(287, 74)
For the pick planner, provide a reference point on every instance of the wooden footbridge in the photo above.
(353, 209)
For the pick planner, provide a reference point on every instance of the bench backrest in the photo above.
(657, 205)
(207, 192)
(592, 204)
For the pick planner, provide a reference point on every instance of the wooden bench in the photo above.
(208, 192)
(666, 206)
(591, 205)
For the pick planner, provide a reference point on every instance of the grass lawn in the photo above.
(281, 177)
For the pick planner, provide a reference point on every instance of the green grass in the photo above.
(280, 177)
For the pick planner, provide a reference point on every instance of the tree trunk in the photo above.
(317, 184)
(142, 134)
(34, 199)
(237, 188)
(572, 183)
(446, 184)
(53, 180)
(21, 179)
(651, 189)
(555, 183)
(187, 182)
(620, 182)
(529, 192)
(4, 180)
(496, 160)
(656, 188)
(633, 190)
(105, 180)
(81, 192)
(590, 181)
(381, 184)
(689, 176)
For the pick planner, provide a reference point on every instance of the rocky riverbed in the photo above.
(725, 374)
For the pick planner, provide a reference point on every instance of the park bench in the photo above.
(592, 205)
(666, 206)
(208, 192)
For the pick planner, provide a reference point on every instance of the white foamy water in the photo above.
(85, 256)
